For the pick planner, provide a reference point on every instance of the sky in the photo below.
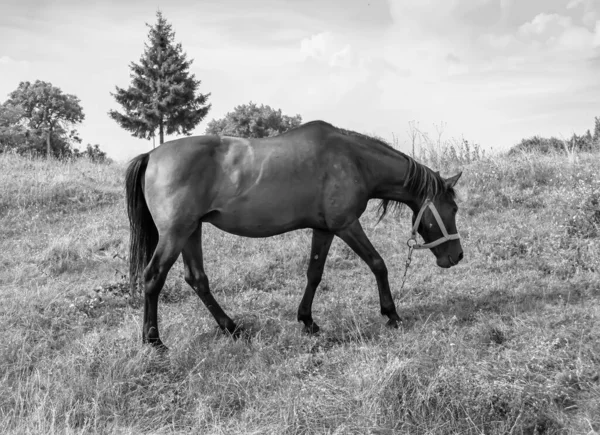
(491, 71)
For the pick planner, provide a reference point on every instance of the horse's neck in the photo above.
(389, 173)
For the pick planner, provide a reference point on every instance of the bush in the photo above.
(95, 154)
(585, 222)
(538, 144)
(586, 143)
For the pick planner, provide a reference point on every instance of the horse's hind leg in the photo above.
(197, 279)
(168, 249)
(321, 242)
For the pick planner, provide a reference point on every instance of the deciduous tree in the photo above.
(12, 129)
(47, 112)
(250, 120)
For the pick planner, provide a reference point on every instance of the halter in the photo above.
(412, 241)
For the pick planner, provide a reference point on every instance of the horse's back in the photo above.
(307, 145)
(257, 187)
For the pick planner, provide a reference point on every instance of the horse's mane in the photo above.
(421, 181)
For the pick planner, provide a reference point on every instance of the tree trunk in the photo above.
(48, 146)
(161, 132)
(47, 125)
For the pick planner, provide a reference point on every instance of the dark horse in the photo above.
(315, 176)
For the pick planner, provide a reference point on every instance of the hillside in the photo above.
(506, 342)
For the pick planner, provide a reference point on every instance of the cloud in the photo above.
(7, 60)
(591, 12)
(487, 33)
(342, 67)
(343, 58)
(574, 3)
(500, 42)
(328, 48)
(558, 32)
(577, 38)
(318, 46)
(545, 25)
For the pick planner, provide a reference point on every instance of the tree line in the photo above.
(586, 142)
(163, 98)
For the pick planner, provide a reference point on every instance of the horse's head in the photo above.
(436, 223)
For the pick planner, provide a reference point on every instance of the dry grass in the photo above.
(506, 343)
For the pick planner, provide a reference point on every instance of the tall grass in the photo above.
(508, 342)
(440, 153)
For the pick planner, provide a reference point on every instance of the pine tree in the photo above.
(163, 94)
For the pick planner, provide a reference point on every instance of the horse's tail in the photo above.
(143, 231)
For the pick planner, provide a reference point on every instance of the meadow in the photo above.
(507, 342)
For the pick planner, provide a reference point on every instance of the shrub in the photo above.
(585, 222)
(537, 144)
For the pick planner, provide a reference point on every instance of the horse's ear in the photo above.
(451, 182)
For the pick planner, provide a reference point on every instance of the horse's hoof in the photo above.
(312, 329)
(160, 347)
(157, 344)
(234, 332)
(151, 338)
(393, 323)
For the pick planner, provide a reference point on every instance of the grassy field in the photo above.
(508, 342)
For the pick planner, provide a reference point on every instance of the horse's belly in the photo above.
(264, 217)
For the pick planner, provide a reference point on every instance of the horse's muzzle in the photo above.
(449, 261)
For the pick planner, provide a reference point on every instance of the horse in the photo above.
(315, 176)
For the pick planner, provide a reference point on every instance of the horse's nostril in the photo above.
(460, 256)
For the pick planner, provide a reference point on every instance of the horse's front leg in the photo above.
(355, 237)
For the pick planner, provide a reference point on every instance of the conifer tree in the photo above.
(163, 94)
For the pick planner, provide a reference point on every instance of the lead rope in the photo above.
(411, 247)
(412, 241)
